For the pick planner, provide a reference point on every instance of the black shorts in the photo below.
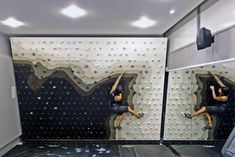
(119, 109)
(217, 108)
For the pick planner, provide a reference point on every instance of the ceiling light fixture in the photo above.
(73, 11)
(172, 11)
(12, 22)
(144, 22)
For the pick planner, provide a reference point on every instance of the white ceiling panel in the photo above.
(103, 16)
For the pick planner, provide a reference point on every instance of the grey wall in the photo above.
(10, 128)
(4, 46)
(222, 49)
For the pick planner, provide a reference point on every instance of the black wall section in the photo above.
(57, 111)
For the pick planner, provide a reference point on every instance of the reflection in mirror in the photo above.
(200, 102)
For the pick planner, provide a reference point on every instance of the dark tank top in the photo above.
(221, 103)
(112, 100)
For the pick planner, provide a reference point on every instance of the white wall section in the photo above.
(10, 127)
(4, 46)
(183, 36)
(9, 114)
(222, 49)
(217, 17)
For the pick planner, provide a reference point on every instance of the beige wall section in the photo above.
(10, 128)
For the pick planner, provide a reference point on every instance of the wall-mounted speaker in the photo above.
(204, 38)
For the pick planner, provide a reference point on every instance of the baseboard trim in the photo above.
(9, 146)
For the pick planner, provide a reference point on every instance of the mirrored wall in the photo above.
(192, 112)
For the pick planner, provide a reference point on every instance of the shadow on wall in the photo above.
(223, 123)
(60, 106)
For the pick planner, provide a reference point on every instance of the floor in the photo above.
(104, 150)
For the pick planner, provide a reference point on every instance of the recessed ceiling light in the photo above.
(12, 22)
(172, 11)
(73, 11)
(144, 22)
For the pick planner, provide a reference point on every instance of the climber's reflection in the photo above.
(117, 107)
(221, 102)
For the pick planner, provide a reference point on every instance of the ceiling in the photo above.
(105, 17)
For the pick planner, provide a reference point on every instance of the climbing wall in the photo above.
(63, 85)
(187, 89)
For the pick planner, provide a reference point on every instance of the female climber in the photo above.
(117, 107)
(220, 102)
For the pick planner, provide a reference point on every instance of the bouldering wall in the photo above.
(63, 86)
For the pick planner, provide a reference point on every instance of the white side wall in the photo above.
(4, 46)
(183, 36)
(220, 19)
(10, 128)
(217, 17)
